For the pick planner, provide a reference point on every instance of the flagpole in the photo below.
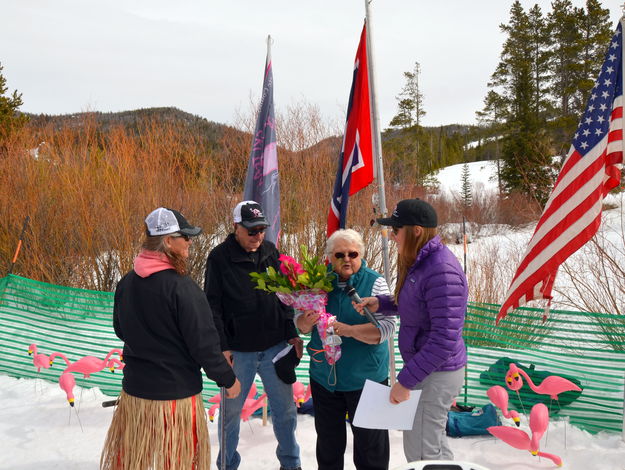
(378, 169)
(377, 142)
(623, 144)
(623, 72)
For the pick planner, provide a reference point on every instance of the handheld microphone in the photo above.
(351, 292)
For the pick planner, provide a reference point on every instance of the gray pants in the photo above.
(427, 439)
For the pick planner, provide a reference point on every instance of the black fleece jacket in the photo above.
(246, 318)
(168, 332)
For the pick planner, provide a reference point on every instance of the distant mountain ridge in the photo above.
(129, 119)
(208, 132)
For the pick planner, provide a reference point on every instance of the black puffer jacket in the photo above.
(246, 318)
(168, 332)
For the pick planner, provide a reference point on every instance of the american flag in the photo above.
(591, 169)
(355, 165)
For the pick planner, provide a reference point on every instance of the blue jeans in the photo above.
(281, 404)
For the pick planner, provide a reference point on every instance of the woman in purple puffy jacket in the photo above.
(431, 301)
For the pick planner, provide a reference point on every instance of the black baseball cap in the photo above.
(411, 212)
(249, 214)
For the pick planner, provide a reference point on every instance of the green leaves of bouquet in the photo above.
(293, 276)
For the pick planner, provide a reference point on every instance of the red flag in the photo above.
(592, 168)
(355, 165)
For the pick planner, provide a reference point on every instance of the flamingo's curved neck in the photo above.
(111, 352)
(528, 379)
(61, 355)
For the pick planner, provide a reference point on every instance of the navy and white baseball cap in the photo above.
(249, 214)
(163, 221)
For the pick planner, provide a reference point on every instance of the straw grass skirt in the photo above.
(157, 435)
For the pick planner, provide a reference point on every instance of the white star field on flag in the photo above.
(596, 120)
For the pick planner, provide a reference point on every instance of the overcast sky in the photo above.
(207, 57)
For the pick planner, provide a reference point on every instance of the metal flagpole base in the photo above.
(222, 428)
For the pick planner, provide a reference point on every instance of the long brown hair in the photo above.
(157, 243)
(410, 250)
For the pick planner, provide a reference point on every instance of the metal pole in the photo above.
(464, 242)
(222, 429)
(377, 141)
(378, 168)
(623, 143)
(466, 367)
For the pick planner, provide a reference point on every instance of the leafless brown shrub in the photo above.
(490, 268)
(87, 195)
(88, 192)
(517, 209)
(593, 279)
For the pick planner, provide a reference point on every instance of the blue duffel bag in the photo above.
(472, 423)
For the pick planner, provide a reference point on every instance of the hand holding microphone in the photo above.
(351, 292)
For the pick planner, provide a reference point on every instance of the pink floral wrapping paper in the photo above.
(315, 300)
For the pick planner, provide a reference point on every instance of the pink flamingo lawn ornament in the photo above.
(301, 393)
(499, 396)
(552, 385)
(539, 421)
(88, 365)
(54, 355)
(67, 382)
(115, 364)
(39, 360)
(249, 407)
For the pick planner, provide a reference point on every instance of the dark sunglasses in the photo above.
(180, 235)
(350, 255)
(396, 229)
(253, 233)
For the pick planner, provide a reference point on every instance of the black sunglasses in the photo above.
(396, 229)
(181, 235)
(350, 255)
(253, 233)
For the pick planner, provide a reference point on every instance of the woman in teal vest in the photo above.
(336, 388)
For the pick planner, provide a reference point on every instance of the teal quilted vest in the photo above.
(359, 361)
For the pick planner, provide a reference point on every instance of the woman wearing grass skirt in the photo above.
(167, 327)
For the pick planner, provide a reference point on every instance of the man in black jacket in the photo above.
(253, 327)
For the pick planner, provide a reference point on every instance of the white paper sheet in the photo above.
(375, 411)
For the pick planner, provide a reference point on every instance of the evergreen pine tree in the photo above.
(10, 117)
(467, 195)
(538, 36)
(410, 101)
(519, 97)
(403, 118)
(596, 32)
(565, 68)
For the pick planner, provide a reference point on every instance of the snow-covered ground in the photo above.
(39, 431)
(483, 175)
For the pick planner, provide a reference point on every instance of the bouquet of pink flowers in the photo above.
(304, 286)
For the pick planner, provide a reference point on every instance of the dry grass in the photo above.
(88, 192)
(593, 280)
